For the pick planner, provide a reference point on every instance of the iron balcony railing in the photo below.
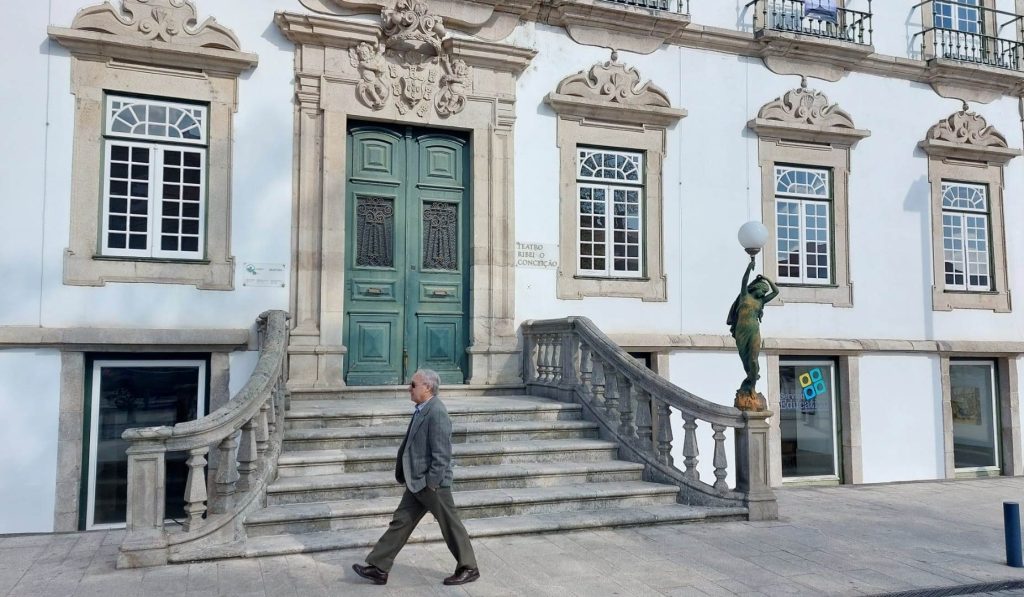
(813, 19)
(677, 6)
(963, 32)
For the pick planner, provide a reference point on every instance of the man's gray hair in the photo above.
(433, 380)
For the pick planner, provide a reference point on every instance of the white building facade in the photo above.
(412, 186)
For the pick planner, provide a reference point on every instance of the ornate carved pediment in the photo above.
(408, 66)
(967, 135)
(172, 21)
(806, 114)
(161, 32)
(612, 91)
(613, 81)
(967, 128)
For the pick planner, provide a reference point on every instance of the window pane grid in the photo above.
(593, 225)
(127, 187)
(181, 202)
(156, 120)
(803, 225)
(610, 244)
(141, 176)
(604, 165)
(802, 182)
(965, 239)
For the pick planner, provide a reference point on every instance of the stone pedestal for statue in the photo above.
(749, 400)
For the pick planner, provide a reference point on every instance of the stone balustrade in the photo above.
(243, 440)
(571, 360)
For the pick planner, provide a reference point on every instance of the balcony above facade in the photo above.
(971, 51)
(673, 6)
(821, 38)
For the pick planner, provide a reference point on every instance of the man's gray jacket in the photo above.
(425, 457)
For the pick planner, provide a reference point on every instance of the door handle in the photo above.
(373, 290)
(440, 293)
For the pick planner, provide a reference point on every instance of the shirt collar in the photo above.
(420, 406)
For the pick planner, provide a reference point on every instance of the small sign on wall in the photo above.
(536, 255)
(266, 275)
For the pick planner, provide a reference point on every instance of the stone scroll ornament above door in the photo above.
(408, 66)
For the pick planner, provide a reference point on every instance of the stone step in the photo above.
(370, 412)
(376, 513)
(325, 488)
(402, 391)
(359, 460)
(392, 435)
(428, 531)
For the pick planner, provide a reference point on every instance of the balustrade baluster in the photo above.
(690, 452)
(262, 433)
(644, 422)
(611, 395)
(195, 489)
(227, 475)
(664, 434)
(586, 371)
(247, 452)
(626, 429)
(719, 459)
(556, 358)
(549, 370)
(599, 400)
(570, 354)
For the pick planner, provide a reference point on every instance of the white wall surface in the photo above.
(712, 185)
(261, 185)
(30, 401)
(901, 418)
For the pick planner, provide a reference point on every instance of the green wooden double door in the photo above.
(407, 254)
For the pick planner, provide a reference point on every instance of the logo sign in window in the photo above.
(813, 383)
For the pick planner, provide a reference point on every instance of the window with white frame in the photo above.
(803, 225)
(610, 190)
(154, 183)
(965, 237)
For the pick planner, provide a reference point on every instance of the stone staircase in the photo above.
(524, 464)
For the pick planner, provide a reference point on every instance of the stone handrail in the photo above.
(570, 359)
(245, 435)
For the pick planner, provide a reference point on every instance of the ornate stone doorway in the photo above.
(406, 71)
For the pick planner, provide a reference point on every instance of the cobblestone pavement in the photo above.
(865, 540)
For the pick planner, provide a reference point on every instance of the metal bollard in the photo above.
(1011, 526)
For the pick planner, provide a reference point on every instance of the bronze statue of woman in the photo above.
(744, 323)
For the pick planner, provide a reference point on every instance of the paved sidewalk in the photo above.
(829, 541)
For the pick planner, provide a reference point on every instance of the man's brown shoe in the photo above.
(462, 576)
(371, 573)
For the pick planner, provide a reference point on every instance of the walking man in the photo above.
(424, 466)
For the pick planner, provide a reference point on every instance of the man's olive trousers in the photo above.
(410, 510)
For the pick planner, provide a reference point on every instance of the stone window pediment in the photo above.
(804, 114)
(114, 50)
(160, 32)
(611, 91)
(803, 134)
(966, 135)
(966, 154)
(608, 107)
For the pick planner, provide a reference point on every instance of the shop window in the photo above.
(975, 416)
(808, 420)
(136, 393)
